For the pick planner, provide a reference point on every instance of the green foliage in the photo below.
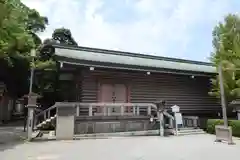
(235, 124)
(15, 39)
(63, 36)
(211, 123)
(19, 26)
(226, 43)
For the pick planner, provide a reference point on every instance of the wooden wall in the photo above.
(191, 94)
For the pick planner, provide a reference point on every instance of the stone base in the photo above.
(223, 134)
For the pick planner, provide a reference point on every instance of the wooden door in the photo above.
(113, 93)
(120, 93)
(107, 93)
(119, 96)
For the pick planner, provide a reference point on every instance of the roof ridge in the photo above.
(140, 55)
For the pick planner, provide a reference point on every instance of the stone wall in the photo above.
(112, 124)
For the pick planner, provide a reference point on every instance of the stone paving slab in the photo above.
(191, 147)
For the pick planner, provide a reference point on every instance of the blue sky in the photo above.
(172, 28)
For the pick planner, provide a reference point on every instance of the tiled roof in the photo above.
(133, 59)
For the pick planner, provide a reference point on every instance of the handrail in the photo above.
(46, 115)
(46, 110)
(107, 104)
(168, 115)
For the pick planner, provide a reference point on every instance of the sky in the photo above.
(171, 28)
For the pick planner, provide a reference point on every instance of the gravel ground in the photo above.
(192, 147)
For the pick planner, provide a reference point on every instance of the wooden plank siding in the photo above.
(191, 94)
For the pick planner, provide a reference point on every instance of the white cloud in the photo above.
(164, 27)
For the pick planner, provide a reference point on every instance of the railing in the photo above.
(114, 109)
(191, 121)
(45, 114)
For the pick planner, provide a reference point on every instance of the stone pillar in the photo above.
(32, 105)
(195, 122)
(160, 108)
(65, 121)
(170, 123)
(30, 120)
(161, 122)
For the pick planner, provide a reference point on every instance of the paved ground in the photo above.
(193, 147)
(11, 135)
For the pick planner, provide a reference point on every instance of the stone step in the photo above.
(44, 135)
(190, 132)
(47, 121)
(187, 128)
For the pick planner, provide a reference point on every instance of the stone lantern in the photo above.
(160, 108)
(32, 100)
(32, 105)
(160, 104)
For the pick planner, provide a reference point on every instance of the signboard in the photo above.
(175, 108)
(178, 117)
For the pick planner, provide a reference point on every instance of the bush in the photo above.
(235, 124)
(235, 127)
(211, 123)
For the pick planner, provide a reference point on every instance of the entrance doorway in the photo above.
(113, 93)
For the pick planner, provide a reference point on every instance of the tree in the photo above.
(226, 43)
(19, 26)
(46, 79)
(64, 36)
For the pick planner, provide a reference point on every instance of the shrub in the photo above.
(211, 123)
(235, 124)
